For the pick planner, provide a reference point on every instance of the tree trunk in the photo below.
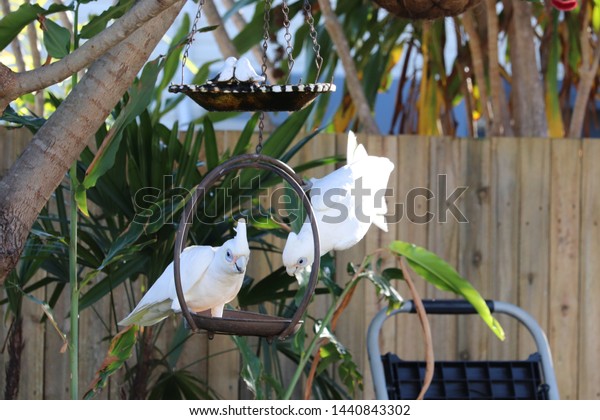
(335, 30)
(587, 73)
(39, 170)
(13, 85)
(500, 117)
(527, 95)
(13, 367)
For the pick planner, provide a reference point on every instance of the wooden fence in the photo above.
(532, 238)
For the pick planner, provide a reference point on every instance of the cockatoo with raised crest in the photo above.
(210, 278)
(346, 202)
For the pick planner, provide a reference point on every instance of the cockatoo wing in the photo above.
(354, 151)
(334, 187)
(227, 71)
(161, 299)
(245, 73)
(374, 173)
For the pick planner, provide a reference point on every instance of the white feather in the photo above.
(210, 278)
(245, 73)
(343, 215)
(227, 71)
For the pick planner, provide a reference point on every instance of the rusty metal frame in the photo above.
(256, 324)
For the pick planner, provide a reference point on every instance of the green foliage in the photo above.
(57, 39)
(98, 23)
(439, 273)
(14, 22)
(120, 350)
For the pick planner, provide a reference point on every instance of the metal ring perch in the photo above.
(244, 322)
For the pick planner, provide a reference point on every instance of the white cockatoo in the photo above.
(227, 72)
(346, 202)
(235, 70)
(244, 72)
(210, 278)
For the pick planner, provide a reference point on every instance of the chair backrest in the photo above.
(394, 378)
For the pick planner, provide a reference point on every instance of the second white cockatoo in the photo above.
(346, 202)
(244, 72)
(227, 71)
(237, 71)
(210, 278)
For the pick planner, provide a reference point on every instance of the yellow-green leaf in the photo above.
(439, 273)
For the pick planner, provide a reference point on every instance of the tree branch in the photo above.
(587, 74)
(499, 112)
(39, 170)
(13, 85)
(478, 64)
(37, 63)
(335, 30)
(529, 112)
(223, 41)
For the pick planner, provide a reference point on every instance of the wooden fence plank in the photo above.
(351, 328)
(534, 235)
(504, 242)
(31, 385)
(411, 207)
(92, 347)
(445, 175)
(589, 313)
(4, 326)
(564, 262)
(475, 251)
(376, 238)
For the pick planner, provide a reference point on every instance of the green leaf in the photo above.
(293, 206)
(50, 315)
(243, 142)
(180, 384)
(596, 16)
(31, 123)
(14, 22)
(210, 144)
(81, 199)
(116, 277)
(57, 39)
(125, 240)
(439, 273)
(140, 96)
(252, 369)
(383, 286)
(120, 350)
(172, 63)
(98, 23)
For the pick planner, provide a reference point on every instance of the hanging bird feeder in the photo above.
(238, 88)
(243, 322)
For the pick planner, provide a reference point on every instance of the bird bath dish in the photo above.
(250, 97)
(237, 87)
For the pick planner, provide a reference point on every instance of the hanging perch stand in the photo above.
(244, 322)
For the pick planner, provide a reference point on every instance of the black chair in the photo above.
(394, 378)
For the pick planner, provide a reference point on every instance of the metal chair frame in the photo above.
(455, 307)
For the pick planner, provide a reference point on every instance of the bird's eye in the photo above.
(229, 255)
(301, 261)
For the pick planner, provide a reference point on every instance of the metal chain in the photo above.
(266, 28)
(313, 35)
(265, 45)
(261, 127)
(288, 37)
(190, 37)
